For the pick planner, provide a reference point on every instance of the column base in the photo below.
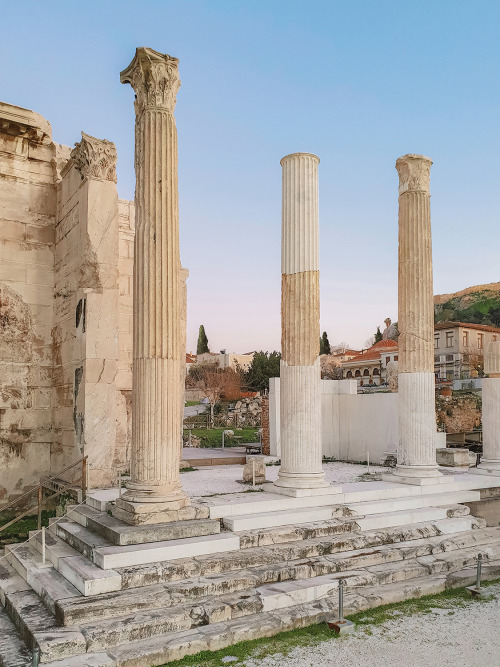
(150, 512)
(301, 493)
(417, 475)
(487, 467)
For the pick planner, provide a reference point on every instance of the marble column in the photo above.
(154, 489)
(301, 471)
(416, 460)
(490, 461)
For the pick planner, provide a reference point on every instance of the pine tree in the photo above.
(202, 345)
(378, 335)
(324, 344)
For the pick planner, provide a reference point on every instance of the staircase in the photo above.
(250, 565)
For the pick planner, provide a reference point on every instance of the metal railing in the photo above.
(38, 490)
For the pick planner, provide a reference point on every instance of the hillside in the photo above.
(477, 305)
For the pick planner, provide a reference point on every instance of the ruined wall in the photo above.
(65, 315)
(87, 306)
(126, 233)
(28, 159)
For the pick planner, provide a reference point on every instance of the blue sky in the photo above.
(357, 82)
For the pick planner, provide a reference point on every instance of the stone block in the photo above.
(119, 533)
(453, 457)
(254, 465)
(111, 557)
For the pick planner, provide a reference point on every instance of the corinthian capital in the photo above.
(95, 158)
(414, 173)
(154, 77)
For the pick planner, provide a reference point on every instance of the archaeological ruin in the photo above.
(92, 364)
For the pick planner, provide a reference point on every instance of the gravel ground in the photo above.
(223, 479)
(467, 637)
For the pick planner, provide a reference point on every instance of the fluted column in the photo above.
(301, 470)
(490, 461)
(417, 422)
(157, 336)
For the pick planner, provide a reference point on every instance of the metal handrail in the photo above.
(43, 479)
(39, 490)
(56, 476)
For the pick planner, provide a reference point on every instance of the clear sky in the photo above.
(358, 82)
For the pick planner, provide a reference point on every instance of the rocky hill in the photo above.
(477, 305)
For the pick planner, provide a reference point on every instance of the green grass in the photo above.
(188, 404)
(284, 642)
(213, 437)
(19, 530)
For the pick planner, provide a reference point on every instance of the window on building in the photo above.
(466, 339)
(436, 342)
(449, 339)
(396, 358)
(480, 341)
(366, 372)
(449, 357)
(349, 374)
(387, 359)
(357, 374)
(494, 338)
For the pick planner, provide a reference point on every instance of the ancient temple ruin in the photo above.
(150, 575)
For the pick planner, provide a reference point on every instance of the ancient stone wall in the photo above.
(27, 217)
(66, 246)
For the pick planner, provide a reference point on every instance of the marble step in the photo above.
(38, 627)
(13, 650)
(273, 546)
(412, 502)
(237, 504)
(83, 610)
(165, 648)
(401, 518)
(74, 568)
(284, 517)
(139, 554)
(247, 522)
(44, 579)
(108, 556)
(119, 533)
(101, 634)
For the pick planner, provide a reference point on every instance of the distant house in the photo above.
(344, 355)
(190, 360)
(225, 360)
(459, 348)
(369, 367)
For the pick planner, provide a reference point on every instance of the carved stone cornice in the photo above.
(414, 173)
(95, 158)
(155, 79)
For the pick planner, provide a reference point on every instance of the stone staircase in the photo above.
(116, 595)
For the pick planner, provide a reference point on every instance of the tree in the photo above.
(202, 345)
(369, 342)
(264, 365)
(340, 347)
(324, 344)
(378, 335)
(331, 368)
(215, 383)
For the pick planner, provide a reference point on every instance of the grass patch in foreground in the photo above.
(284, 642)
(213, 437)
(18, 532)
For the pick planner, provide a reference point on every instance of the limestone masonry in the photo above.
(66, 256)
